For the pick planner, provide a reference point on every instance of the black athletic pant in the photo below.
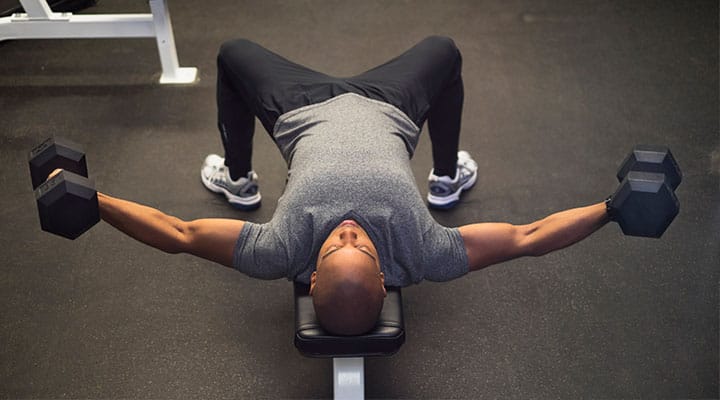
(424, 82)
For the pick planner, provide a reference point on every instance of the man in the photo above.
(351, 219)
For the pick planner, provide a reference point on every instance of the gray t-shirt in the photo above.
(349, 158)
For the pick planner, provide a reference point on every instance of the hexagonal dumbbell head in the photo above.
(56, 153)
(652, 158)
(644, 205)
(67, 204)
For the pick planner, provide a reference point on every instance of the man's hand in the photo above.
(55, 172)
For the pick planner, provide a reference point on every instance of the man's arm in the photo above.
(491, 243)
(211, 239)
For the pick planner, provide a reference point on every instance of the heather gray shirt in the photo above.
(349, 158)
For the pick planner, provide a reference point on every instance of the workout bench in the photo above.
(348, 352)
(40, 22)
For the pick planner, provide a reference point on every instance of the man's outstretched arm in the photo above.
(211, 239)
(491, 243)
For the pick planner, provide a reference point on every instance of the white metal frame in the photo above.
(40, 22)
(349, 378)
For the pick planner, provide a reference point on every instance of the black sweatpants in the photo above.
(424, 82)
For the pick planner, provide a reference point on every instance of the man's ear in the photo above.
(382, 281)
(313, 279)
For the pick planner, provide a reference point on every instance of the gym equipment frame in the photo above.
(40, 22)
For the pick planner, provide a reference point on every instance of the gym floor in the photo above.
(556, 94)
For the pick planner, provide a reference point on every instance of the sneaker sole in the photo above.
(449, 201)
(241, 203)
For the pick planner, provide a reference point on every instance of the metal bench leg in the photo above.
(172, 73)
(40, 22)
(349, 378)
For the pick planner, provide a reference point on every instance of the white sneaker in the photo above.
(444, 192)
(242, 194)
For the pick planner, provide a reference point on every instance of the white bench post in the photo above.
(172, 73)
(36, 9)
(39, 22)
(349, 378)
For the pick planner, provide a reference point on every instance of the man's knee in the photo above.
(236, 49)
(444, 47)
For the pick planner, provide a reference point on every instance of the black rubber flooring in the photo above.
(557, 92)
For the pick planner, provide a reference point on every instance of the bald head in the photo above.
(348, 293)
(347, 287)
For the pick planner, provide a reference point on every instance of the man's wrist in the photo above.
(609, 209)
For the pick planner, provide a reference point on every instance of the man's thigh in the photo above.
(274, 85)
(270, 84)
(415, 78)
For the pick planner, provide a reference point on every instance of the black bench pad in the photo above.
(384, 340)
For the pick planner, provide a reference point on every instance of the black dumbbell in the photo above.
(645, 203)
(653, 159)
(56, 153)
(67, 203)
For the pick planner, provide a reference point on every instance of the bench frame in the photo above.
(40, 22)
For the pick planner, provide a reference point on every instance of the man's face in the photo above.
(349, 238)
(348, 247)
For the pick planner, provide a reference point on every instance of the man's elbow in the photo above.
(529, 241)
(180, 238)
